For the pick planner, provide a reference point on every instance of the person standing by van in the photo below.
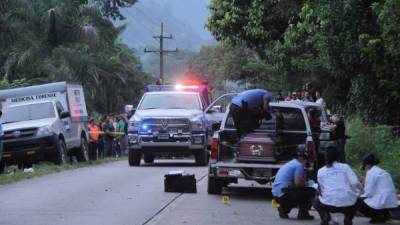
(123, 132)
(379, 195)
(108, 129)
(94, 132)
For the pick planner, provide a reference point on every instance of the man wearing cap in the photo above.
(248, 108)
(290, 187)
(379, 195)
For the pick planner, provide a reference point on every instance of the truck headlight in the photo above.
(197, 125)
(44, 131)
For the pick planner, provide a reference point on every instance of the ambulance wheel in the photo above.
(201, 158)
(214, 186)
(133, 158)
(148, 158)
(83, 152)
(60, 155)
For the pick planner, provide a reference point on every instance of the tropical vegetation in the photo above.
(349, 49)
(70, 40)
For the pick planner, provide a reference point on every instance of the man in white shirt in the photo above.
(379, 192)
(338, 189)
(320, 100)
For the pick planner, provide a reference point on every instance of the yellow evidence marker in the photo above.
(225, 200)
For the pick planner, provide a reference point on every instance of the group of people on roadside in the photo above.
(305, 95)
(338, 190)
(109, 137)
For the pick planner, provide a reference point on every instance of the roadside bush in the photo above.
(376, 139)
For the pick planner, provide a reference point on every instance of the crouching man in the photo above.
(379, 195)
(290, 187)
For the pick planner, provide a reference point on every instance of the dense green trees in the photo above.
(348, 48)
(56, 40)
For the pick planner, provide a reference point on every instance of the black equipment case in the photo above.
(180, 183)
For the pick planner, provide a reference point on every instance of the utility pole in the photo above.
(161, 51)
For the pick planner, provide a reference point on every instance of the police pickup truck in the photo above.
(172, 120)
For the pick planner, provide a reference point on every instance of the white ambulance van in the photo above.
(44, 122)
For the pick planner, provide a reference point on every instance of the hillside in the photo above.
(183, 19)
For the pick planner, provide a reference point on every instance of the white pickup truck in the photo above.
(44, 122)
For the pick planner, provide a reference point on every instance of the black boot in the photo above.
(304, 216)
(326, 219)
(282, 213)
(348, 220)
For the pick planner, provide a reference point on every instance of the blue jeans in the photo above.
(342, 155)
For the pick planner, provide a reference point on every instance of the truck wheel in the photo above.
(133, 158)
(148, 158)
(214, 186)
(60, 156)
(201, 158)
(83, 152)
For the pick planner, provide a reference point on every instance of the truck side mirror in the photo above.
(64, 115)
(215, 109)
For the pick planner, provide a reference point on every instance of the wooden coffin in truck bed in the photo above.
(256, 147)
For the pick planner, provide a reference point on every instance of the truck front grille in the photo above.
(173, 125)
(19, 133)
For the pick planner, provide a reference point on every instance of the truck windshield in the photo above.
(29, 112)
(170, 101)
(323, 117)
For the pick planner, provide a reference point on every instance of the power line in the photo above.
(161, 50)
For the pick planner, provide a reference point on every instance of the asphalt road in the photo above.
(117, 194)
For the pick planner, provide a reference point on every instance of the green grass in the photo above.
(377, 139)
(13, 174)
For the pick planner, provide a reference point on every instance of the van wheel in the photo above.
(60, 156)
(83, 151)
(201, 158)
(214, 186)
(148, 158)
(133, 158)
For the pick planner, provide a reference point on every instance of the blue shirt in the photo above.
(254, 98)
(285, 176)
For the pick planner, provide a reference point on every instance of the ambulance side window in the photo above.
(60, 108)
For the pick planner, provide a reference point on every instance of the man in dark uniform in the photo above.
(249, 108)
